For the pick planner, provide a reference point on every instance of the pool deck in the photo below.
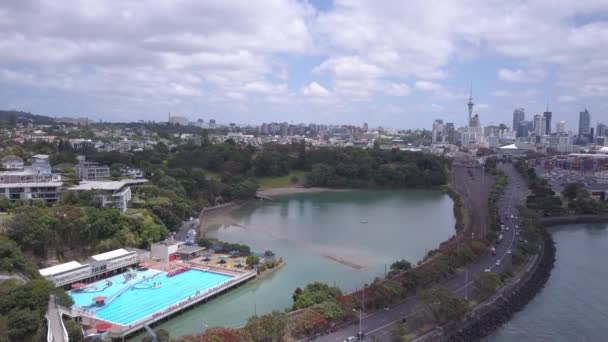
(119, 330)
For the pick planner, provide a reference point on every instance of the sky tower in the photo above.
(470, 104)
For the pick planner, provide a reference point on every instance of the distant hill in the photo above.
(10, 117)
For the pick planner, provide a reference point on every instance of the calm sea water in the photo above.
(342, 238)
(574, 304)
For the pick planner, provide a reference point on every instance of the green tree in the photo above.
(487, 284)
(444, 305)
(571, 190)
(74, 331)
(399, 266)
(23, 324)
(31, 227)
(252, 260)
(269, 327)
(314, 293)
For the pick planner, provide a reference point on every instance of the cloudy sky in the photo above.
(391, 63)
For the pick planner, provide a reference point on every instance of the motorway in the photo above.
(380, 323)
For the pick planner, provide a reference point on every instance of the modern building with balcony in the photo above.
(30, 185)
(11, 163)
(86, 170)
(111, 194)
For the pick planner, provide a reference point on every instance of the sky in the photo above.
(398, 64)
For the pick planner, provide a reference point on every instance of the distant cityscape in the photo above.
(536, 135)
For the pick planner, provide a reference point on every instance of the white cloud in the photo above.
(350, 67)
(501, 93)
(520, 75)
(566, 98)
(314, 89)
(427, 86)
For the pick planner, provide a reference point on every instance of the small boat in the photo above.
(363, 221)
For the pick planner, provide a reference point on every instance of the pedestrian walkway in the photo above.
(56, 330)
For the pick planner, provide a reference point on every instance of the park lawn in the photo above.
(282, 181)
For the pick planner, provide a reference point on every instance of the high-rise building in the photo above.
(584, 126)
(450, 133)
(540, 125)
(438, 131)
(600, 131)
(547, 115)
(365, 127)
(524, 128)
(560, 127)
(518, 115)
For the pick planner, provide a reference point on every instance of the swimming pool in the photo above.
(143, 298)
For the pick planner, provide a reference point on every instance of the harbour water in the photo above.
(573, 306)
(342, 238)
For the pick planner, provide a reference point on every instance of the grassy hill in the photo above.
(11, 117)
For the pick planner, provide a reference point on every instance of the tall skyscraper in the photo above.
(600, 131)
(523, 128)
(547, 115)
(539, 127)
(584, 126)
(438, 131)
(450, 132)
(518, 115)
(470, 104)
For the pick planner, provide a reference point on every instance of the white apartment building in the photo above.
(86, 170)
(111, 194)
(12, 163)
(30, 185)
(98, 265)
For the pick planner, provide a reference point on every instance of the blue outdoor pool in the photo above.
(142, 298)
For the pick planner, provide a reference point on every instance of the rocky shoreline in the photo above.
(512, 302)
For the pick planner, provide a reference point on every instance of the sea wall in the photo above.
(573, 219)
(511, 300)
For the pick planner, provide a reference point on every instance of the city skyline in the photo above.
(388, 64)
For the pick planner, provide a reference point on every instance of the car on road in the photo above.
(497, 263)
(487, 270)
(507, 228)
(493, 251)
(508, 251)
(350, 339)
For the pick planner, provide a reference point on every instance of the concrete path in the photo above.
(55, 322)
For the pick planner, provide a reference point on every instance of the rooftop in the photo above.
(111, 254)
(106, 185)
(11, 157)
(189, 249)
(31, 185)
(68, 266)
(169, 242)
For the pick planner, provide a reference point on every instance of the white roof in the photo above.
(49, 271)
(111, 254)
(41, 156)
(32, 185)
(603, 149)
(509, 147)
(105, 185)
